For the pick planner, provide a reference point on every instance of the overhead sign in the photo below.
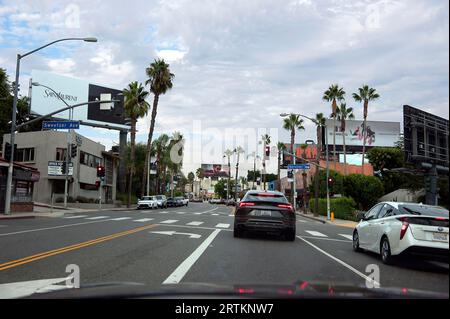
(299, 166)
(383, 134)
(55, 168)
(61, 125)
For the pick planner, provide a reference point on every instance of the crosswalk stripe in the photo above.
(163, 212)
(220, 225)
(169, 221)
(231, 215)
(315, 233)
(181, 213)
(301, 221)
(77, 216)
(194, 223)
(97, 217)
(350, 237)
(121, 218)
(215, 214)
(143, 220)
(197, 213)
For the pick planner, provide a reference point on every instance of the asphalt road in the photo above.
(193, 244)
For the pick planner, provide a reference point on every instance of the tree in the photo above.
(334, 94)
(160, 145)
(292, 123)
(336, 188)
(365, 95)
(343, 113)
(175, 154)
(385, 158)
(200, 174)
(281, 147)
(135, 107)
(191, 178)
(160, 81)
(320, 122)
(220, 188)
(365, 190)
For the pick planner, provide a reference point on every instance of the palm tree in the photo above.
(334, 94)
(343, 113)
(191, 178)
(160, 145)
(135, 107)
(200, 174)
(266, 141)
(281, 147)
(365, 95)
(160, 81)
(174, 164)
(320, 121)
(292, 123)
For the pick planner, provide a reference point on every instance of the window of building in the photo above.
(89, 159)
(24, 155)
(61, 154)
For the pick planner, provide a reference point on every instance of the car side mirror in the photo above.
(361, 216)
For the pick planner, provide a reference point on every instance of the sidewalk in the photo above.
(323, 219)
(43, 210)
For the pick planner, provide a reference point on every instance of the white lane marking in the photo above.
(215, 214)
(172, 232)
(97, 217)
(56, 227)
(181, 213)
(211, 210)
(184, 267)
(315, 233)
(349, 237)
(163, 212)
(220, 225)
(194, 223)
(321, 238)
(301, 221)
(367, 279)
(121, 218)
(169, 221)
(77, 216)
(143, 220)
(230, 215)
(196, 227)
(26, 288)
(197, 213)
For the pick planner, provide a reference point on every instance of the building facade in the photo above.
(44, 150)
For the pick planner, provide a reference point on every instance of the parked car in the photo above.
(182, 201)
(161, 200)
(147, 202)
(231, 202)
(171, 202)
(393, 228)
(265, 211)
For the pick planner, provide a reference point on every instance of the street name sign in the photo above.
(299, 166)
(61, 125)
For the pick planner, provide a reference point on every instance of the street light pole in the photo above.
(13, 122)
(238, 150)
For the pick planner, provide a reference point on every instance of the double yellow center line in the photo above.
(29, 259)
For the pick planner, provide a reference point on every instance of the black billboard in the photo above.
(104, 112)
(425, 137)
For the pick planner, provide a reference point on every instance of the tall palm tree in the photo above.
(161, 144)
(320, 121)
(281, 147)
(191, 178)
(334, 94)
(135, 107)
(160, 81)
(365, 95)
(174, 164)
(200, 174)
(343, 114)
(266, 141)
(292, 123)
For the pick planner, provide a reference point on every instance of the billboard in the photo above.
(425, 137)
(383, 134)
(75, 91)
(215, 170)
(310, 153)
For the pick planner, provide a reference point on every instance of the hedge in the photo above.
(343, 207)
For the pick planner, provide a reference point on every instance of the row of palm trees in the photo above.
(160, 81)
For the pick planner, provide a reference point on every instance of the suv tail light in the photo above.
(244, 204)
(404, 227)
(288, 206)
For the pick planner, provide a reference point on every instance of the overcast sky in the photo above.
(239, 64)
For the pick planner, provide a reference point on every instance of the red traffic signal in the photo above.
(330, 181)
(97, 184)
(100, 171)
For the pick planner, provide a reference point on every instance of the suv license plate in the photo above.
(440, 236)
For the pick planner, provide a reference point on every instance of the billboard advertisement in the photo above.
(310, 153)
(215, 170)
(383, 134)
(75, 91)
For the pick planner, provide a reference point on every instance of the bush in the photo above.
(124, 198)
(59, 200)
(343, 207)
(82, 199)
(336, 188)
(91, 200)
(365, 190)
(70, 199)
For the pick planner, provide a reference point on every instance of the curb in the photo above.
(16, 217)
(313, 218)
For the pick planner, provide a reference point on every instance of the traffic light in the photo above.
(100, 171)
(290, 174)
(8, 152)
(330, 181)
(97, 184)
(64, 168)
(73, 151)
(267, 150)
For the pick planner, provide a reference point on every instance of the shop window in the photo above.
(61, 154)
(24, 155)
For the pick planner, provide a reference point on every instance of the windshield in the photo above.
(225, 142)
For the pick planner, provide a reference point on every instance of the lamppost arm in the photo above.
(60, 40)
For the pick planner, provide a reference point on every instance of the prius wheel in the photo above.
(385, 251)
(356, 242)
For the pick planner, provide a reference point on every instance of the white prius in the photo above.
(393, 228)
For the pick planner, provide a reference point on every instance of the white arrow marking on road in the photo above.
(143, 220)
(121, 218)
(169, 221)
(222, 225)
(77, 216)
(97, 217)
(346, 236)
(172, 232)
(315, 233)
(194, 223)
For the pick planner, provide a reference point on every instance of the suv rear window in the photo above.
(423, 210)
(265, 197)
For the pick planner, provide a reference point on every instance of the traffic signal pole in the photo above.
(68, 155)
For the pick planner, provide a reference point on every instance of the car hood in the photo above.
(302, 289)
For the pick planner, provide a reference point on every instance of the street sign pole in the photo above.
(328, 174)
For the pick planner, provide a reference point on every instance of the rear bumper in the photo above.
(261, 226)
(433, 253)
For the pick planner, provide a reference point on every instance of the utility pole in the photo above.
(228, 153)
(238, 150)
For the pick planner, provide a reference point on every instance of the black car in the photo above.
(171, 202)
(265, 211)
